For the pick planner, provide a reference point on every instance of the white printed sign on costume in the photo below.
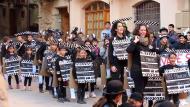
(149, 64)
(153, 89)
(12, 65)
(85, 72)
(177, 80)
(28, 69)
(120, 47)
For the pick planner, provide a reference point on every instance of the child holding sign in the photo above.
(172, 65)
(84, 71)
(27, 68)
(12, 65)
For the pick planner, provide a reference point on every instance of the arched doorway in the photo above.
(96, 14)
(148, 11)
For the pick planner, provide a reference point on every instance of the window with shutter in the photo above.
(96, 14)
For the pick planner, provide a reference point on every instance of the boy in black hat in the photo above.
(63, 66)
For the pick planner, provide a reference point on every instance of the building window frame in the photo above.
(96, 14)
(148, 11)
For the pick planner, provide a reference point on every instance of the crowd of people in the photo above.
(69, 60)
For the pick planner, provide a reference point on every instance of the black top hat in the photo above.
(136, 96)
(113, 87)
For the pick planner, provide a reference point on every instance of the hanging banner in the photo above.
(182, 57)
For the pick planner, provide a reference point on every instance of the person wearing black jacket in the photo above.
(134, 48)
(63, 66)
(11, 55)
(84, 56)
(172, 59)
(140, 43)
(164, 44)
(30, 57)
(30, 42)
(6, 41)
(39, 57)
(182, 43)
(20, 45)
(117, 51)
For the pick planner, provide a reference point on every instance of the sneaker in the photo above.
(78, 101)
(41, 91)
(54, 96)
(66, 100)
(60, 100)
(10, 87)
(93, 95)
(81, 102)
(86, 95)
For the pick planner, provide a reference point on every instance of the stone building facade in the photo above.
(90, 15)
(17, 16)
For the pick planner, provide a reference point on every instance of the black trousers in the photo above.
(27, 80)
(16, 78)
(174, 97)
(92, 86)
(81, 91)
(140, 83)
(119, 75)
(61, 91)
(46, 83)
